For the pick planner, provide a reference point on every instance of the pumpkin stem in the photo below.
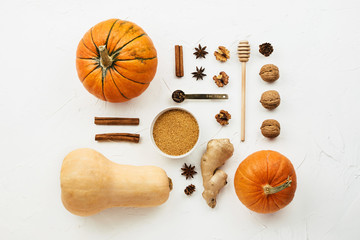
(105, 60)
(272, 190)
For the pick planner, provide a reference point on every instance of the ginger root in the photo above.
(217, 152)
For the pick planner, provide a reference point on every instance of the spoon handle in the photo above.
(206, 96)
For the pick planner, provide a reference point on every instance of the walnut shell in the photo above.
(269, 73)
(270, 99)
(270, 128)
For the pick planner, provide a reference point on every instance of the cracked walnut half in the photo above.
(222, 54)
(222, 79)
(223, 117)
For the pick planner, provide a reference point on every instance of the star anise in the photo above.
(188, 171)
(189, 189)
(200, 52)
(199, 74)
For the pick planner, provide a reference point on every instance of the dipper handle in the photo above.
(243, 87)
(244, 55)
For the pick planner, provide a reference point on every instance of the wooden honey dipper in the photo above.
(243, 54)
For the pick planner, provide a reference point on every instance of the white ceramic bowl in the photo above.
(152, 137)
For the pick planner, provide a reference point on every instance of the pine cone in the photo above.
(266, 49)
(189, 189)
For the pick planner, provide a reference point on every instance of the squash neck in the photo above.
(272, 190)
(105, 59)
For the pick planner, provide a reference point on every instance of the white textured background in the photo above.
(46, 112)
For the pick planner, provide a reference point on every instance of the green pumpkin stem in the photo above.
(272, 190)
(105, 60)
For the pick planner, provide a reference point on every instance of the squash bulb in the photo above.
(91, 183)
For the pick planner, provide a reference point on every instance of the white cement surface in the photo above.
(46, 113)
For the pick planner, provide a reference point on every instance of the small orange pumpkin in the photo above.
(265, 181)
(116, 60)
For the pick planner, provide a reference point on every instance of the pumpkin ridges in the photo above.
(101, 30)
(118, 72)
(128, 87)
(134, 59)
(280, 203)
(251, 205)
(84, 52)
(251, 191)
(111, 90)
(250, 187)
(277, 177)
(82, 58)
(112, 78)
(118, 51)
(266, 204)
(132, 33)
(108, 36)
(83, 42)
(117, 34)
(86, 68)
(144, 77)
(83, 79)
(134, 49)
(247, 177)
(277, 164)
(249, 199)
(272, 206)
(263, 205)
(91, 83)
(92, 40)
(274, 199)
(103, 75)
(255, 167)
(87, 41)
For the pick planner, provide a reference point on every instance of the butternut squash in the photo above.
(91, 183)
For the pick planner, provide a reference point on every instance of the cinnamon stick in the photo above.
(129, 137)
(179, 63)
(116, 121)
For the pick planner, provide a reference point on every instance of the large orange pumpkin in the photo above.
(265, 181)
(116, 60)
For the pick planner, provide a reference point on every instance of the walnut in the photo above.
(270, 99)
(269, 73)
(223, 117)
(222, 54)
(222, 79)
(270, 128)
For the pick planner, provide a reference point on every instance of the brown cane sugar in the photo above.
(176, 132)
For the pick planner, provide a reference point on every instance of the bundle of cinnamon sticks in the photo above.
(129, 137)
